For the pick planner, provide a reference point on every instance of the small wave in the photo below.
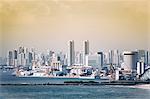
(143, 86)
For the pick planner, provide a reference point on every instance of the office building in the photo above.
(85, 50)
(71, 53)
(10, 61)
(140, 68)
(86, 47)
(101, 58)
(93, 60)
(130, 60)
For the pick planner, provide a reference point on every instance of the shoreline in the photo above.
(136, 84)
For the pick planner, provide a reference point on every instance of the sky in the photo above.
(149, 26)
(50, 24)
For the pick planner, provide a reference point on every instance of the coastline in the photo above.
(133, 84)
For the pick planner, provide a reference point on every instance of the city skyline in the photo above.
(51, 24)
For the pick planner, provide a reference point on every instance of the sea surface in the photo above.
(65, 92)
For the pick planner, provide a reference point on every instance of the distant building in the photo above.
(140, 68)
(30, 57)
(10, 58)
(101, 58)
(111, 54)
(85, 50)
(86, 47)
(15, 58)
(1, 60)
(148, 58)
(130, 60)
(15, 54)
(114, 57)
(93, 60)
(143, 56)
(71, 53)
(79, 58)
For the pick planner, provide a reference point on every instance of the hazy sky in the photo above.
(49, 24)
(149, 26)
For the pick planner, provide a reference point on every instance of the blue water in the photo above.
(72, 92)
(65, 92)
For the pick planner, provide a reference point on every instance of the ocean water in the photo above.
(72, 92)
(65, 92)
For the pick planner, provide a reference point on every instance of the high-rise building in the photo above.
(116, 58)
(65, 59)
(1, 60)
(86, 47)
(15, 54)
(15, 58)
(30, 58)
(106, 58)
(130, 60)
(111, 54)
(85, 50)
(143, 56)
(71, 53)
(101, 58)
(10, 58)
(148, 58)
(140, 68)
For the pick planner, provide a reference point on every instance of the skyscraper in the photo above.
(71, 53)
(101, 59)
(86, 47)
(130, 60)
(15, 58)
(15, 54)
(10, 58)
(85, 50)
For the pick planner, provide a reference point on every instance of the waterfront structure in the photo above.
(130, 60)
(71, 53)
(77, 71)
(117, 75)
(145, 75)
(140, 68)
(55, 63)
(105, 63)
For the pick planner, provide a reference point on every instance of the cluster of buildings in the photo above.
(125, 65)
